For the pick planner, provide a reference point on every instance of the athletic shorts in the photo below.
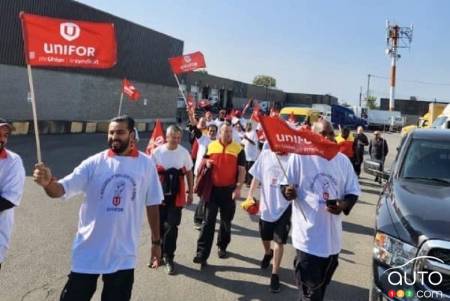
(277, 231)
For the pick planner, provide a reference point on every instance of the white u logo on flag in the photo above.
(69, 31)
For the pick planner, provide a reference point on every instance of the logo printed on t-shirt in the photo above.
(115, 188)
(117, 194)
(325, 186)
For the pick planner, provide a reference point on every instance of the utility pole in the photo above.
(396, 37)
(360, 96)
(368, 88)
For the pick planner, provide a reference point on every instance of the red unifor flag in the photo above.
(130, 90)
(187, 62)
(157, 137)
(68, 43)
(284, 139)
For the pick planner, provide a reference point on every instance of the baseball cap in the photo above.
(3, 122)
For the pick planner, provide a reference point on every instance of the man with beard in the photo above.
(174, 164)
(12, 180)
(119, 184)
(325, 190)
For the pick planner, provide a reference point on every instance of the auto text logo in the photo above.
(398, 277)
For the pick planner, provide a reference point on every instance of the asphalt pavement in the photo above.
(39, 258)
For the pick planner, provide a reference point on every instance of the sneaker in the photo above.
(274, 283)
(197, 226)
(266, 260)
(170, 267)
(199, 260)
(222, 254)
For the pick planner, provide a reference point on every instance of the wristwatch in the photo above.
(156, 242)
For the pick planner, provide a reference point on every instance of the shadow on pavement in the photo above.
(338, 291)
(358, 229)
(248, 290)
(371, 191)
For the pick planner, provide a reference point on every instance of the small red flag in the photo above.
(203, 103)
(130, 90)
(187, 62)
(284, 139)
(68, 43)
(157, 137)
(256, 112)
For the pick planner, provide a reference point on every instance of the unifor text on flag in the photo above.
(282, 138)
(68, 43)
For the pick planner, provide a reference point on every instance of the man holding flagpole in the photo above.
(323, 188)
(119, 184)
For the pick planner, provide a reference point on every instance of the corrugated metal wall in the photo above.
(142, 53)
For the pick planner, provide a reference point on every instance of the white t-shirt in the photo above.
(251, 150)
(12, 180)
(317, 179)
(202, 142)
(237, 136)
(218, 122)
(177, 158)
(117, 190)
(268, 172)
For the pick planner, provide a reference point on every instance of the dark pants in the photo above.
(221, 199)
(169, 220)
(248, 176)
(313, 274)
(199, 214)
(116, 286)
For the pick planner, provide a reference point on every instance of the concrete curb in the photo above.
(79, 127)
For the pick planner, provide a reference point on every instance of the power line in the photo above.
(413, 81)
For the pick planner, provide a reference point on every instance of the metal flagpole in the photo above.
(120, 105)
(33, 105)
(285, 175)
(181, 90)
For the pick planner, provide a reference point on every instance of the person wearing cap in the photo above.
(12, 180)
(119, 184)
(378, 150)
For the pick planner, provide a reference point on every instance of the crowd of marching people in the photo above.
(303, 194)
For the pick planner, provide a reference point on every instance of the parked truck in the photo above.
(434, 110)
(385, 120)
(345, 117)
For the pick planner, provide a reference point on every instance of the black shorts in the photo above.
(277, 231)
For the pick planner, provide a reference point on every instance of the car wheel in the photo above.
(374, 295)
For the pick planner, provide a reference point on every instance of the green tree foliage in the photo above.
(265, 80)
(371, 102)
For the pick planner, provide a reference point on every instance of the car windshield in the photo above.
(427, 160)
(439, 122)
(298, 118)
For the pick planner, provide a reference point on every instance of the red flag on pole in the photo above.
(130, 90)
(68, 43)
(157, 137)
(203, 103)
(187, 62)
(284, 139)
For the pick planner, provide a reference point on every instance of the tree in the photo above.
(371, 102)
(265, 80)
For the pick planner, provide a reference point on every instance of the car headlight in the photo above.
(392, 251)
